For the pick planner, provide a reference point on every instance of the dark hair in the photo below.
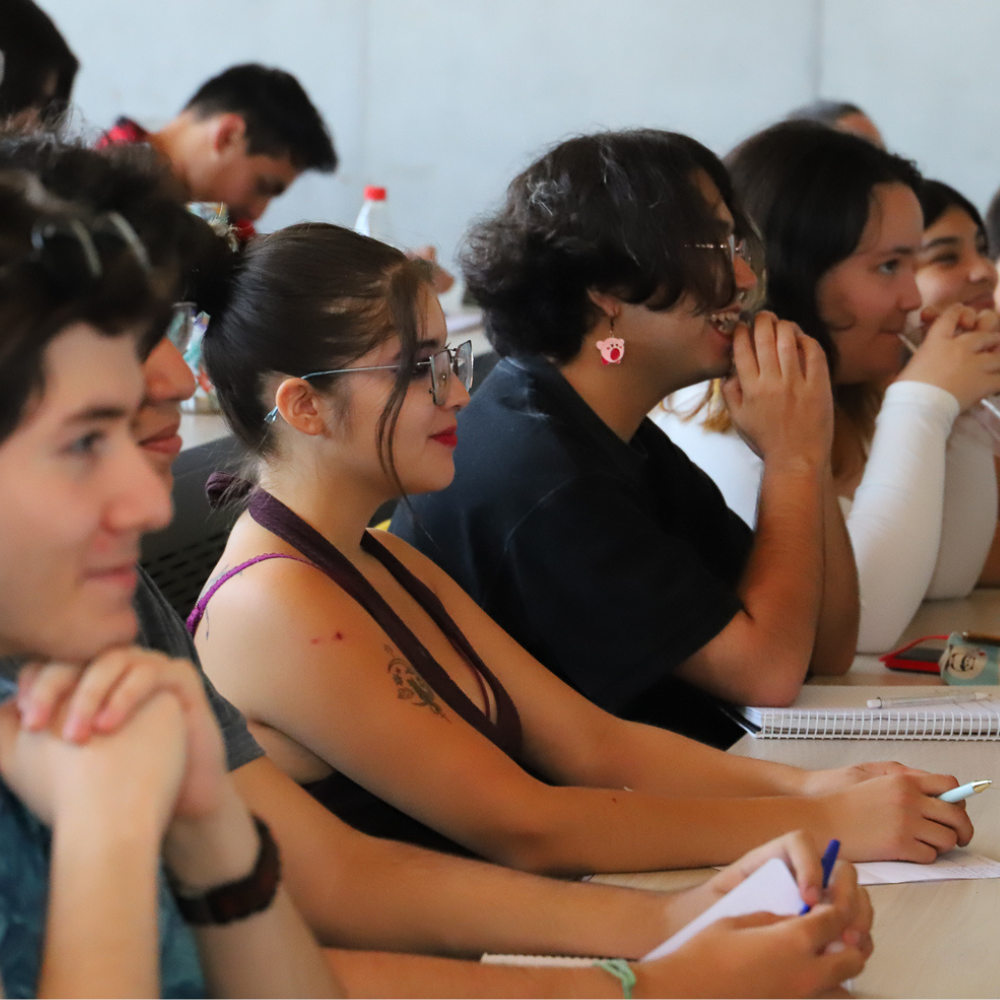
(991, 223)
(809, 188)
(309, 298)
(33, 50)
(280, 118)
(824, 111)
(45, 287)
(617, 212)
(936, 198)
(189, 259)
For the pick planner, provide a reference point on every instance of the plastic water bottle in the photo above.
(373, 219)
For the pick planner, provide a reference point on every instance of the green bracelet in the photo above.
(621, 970)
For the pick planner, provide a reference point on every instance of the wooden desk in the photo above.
(931, 939)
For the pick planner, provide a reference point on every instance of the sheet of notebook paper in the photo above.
(959, 863)
(770, 888)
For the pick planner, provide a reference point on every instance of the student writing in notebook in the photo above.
(377, 683)
(243, 139)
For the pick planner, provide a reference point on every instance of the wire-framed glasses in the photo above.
(450, 361)
(734, 247)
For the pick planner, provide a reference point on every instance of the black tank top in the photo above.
(346, 798)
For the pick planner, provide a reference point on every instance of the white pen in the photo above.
(965, 791)
(941, 699)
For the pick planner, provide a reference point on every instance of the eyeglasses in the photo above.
(733, 247)
(455, 361)
(182, 324)
(70, 251)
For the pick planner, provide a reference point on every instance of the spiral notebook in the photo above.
(841, 713)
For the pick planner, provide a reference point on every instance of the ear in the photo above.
(229, 132)
(609, 304)
(300, 406)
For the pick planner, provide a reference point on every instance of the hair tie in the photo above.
(224, 488)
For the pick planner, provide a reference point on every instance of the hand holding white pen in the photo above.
(965, 791)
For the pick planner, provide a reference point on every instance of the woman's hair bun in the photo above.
(210, 280)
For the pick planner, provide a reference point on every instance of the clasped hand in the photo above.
(779, 396)
(131, 731)
(960, 353)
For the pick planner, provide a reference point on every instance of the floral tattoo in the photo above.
(411, 687)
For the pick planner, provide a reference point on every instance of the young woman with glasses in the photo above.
(113, 771)
(849, 260)
(372, 679)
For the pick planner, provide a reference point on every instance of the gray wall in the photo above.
(443, 101)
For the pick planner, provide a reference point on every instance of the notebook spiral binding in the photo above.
(911, 724)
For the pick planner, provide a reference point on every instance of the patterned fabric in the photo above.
(24, 876)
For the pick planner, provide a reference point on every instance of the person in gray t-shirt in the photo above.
(162, 630)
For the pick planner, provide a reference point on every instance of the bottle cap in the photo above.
(374, 193)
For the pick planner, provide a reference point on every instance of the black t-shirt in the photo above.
(161, 629)
(610, 562)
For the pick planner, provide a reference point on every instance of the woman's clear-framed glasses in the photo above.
(182, 323)
(450, 361)
(733, 247)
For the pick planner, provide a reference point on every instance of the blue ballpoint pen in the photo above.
(829, 860)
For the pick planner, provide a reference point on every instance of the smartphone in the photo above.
(921, 655)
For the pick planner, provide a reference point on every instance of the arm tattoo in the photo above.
(411, 687)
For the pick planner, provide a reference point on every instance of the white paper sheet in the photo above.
(770, 889)
(959, 863)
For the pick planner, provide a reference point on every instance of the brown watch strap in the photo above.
(237, 900)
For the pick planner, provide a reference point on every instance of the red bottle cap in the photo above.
(374, 193)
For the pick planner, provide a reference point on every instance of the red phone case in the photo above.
(898, 660)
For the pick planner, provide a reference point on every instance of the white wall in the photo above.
(443, 101)
(928, 72)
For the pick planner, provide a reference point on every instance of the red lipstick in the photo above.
(447, 437)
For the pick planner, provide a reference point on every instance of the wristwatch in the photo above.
(237, 900)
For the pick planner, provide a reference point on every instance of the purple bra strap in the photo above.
(198, 612)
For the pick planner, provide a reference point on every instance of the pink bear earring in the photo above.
(613, 349)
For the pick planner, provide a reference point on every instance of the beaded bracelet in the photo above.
(621, 970)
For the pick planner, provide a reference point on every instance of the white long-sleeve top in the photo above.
(922, 518)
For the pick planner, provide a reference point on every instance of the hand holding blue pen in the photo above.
(829, 860)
